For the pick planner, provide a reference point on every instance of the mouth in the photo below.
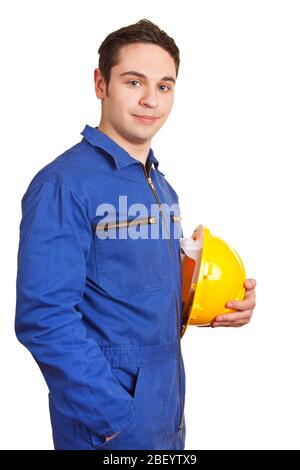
(147, 119)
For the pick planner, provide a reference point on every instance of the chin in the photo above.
(141, 135)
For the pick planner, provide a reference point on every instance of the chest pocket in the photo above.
(129, 255)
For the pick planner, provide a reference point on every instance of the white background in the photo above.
(230, 149)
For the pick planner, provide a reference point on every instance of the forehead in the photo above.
(147, 58)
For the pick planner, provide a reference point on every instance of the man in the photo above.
(98, 306)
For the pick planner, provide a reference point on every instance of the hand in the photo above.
(111, 437)
(244, 308)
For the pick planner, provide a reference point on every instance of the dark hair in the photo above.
(143, 31)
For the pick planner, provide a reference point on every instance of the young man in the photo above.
(98, 306)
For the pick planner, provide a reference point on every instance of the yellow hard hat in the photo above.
(220, 278)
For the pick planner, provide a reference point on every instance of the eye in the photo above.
(132, 81)
(168, 87)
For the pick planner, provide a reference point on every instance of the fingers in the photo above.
(249, 298)
(250, 283)
(246, 304)
(232, 319)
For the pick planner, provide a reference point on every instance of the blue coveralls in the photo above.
(102, 317)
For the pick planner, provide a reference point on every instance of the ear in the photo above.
(99, 84)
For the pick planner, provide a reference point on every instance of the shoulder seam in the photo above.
(54, 182)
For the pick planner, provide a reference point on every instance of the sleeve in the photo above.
(55, 239)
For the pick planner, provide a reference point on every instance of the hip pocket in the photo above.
(148, 428)
(130, 379)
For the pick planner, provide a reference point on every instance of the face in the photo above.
(147, 92)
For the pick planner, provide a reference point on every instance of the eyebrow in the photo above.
(142, 75)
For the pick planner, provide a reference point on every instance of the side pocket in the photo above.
(130, 379)
(127, 377)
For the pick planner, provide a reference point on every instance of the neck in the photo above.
(139, 152)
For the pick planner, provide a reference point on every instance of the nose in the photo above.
(149, 98)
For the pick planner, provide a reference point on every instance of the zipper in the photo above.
(174, 218)
(179, 370)
(159, 204)
(125, 223)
